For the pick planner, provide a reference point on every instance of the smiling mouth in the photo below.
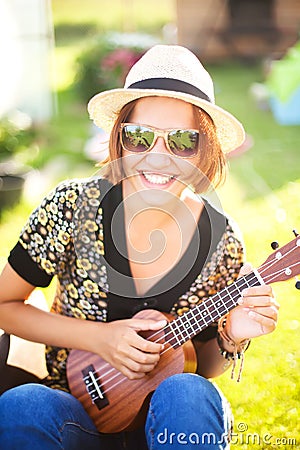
(157, 178)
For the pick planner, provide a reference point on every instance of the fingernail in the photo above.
(240, 301)
(244, 291)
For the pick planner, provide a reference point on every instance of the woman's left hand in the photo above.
(257, 313)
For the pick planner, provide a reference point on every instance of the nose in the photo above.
(159, 155)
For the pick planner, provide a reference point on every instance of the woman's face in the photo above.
(158, 172)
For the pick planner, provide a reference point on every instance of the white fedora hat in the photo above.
(168, 71)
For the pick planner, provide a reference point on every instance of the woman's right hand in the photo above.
(124, 349)
(117, 342)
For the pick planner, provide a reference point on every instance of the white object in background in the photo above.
(25, 354)
(26, 46)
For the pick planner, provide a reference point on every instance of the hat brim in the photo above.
(105, 107)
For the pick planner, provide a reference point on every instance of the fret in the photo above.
(201, 318)
(192, 319)
(173, 341)
(170, 336)
(249, 279)
(246, 284)
(211, 306)
(200, 322)
(260, 281)
(209, 311)
(234, 293)
(218, 308)
(194, 332)
(186, 323)
(242, 283)
(205, 311)
(174, 322)
(182, 323)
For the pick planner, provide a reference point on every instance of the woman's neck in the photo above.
(158, 237)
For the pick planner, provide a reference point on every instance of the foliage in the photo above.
(274, 158)
(69, 32)
(16, 135)
(105, 63)
(284, 76)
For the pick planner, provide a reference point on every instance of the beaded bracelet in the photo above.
(238, 350)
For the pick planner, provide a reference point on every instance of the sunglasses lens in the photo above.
(183, 143)
(136, 138)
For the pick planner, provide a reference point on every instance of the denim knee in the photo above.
(19, 406)
(191, 406)
(188, 389)
(36, 417)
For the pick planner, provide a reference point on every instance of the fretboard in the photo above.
(209, 311)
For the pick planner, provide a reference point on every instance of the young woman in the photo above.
(138, 235)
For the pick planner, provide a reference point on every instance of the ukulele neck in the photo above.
(210, 310)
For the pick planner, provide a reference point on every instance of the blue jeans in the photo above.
(186, 411)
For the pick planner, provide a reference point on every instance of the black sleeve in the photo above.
(44, 242)
(29, 270)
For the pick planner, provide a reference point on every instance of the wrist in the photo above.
(226, 337)
(230, 349)
(93, 339)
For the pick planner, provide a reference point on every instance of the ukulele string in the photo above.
(274, 275)
(268, 264)
(263, 268)
(208, 300)
(269, 278)
(166, 341)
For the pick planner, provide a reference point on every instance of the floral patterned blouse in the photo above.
(78, 235)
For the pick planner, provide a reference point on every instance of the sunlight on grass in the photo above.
(63, 61)
(121, 15)
(267, 398)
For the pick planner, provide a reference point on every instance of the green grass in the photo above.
(274, 158)
(267, 398)
(261, 193)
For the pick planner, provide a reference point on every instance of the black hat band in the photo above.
(170, 84)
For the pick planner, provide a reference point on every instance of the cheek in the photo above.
(189, 167)
(129, 162)
(191, 173)
(125, 165)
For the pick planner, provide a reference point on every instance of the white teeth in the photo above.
(157, 179)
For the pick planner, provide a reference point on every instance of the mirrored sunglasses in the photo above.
(141, 139)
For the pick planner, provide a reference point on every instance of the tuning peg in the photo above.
(295, 233)
(274, 245)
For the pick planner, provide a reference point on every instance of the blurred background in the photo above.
(55, 55)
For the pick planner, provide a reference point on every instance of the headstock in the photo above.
(283, 263)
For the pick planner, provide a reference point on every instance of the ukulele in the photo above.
(116, 403)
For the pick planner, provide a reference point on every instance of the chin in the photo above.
(156, 198)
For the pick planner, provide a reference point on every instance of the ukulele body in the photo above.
(122, 404)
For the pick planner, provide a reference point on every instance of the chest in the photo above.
(155, 249)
